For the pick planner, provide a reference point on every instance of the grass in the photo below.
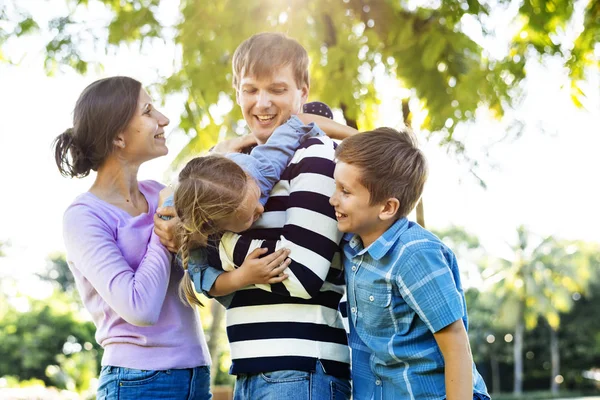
(539, 395)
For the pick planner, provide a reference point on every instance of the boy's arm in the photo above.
(454, 344)
(266, 162)
(429, 283)
(310, 229)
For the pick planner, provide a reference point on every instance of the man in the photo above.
(287, 339)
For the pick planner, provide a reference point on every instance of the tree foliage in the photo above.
(424, 45)
(46, 341)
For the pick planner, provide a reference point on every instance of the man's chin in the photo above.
(262, 134)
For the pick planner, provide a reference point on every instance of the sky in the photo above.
(544, 180)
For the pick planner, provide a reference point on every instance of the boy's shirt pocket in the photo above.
(374, 307)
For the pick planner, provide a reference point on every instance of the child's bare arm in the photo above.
(454, 344)
(333, 129)
(254, 270)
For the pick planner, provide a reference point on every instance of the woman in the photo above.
(153, 343)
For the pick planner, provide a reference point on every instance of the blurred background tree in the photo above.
(437, 57)
(434, 51)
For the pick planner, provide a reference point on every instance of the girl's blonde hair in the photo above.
(210, 189)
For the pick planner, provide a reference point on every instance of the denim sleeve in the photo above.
(266, 162)
(168, 203)
(204, 276)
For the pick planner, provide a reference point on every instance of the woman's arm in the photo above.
(136, 295)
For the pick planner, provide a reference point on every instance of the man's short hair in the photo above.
(390, 163)
(261, 54)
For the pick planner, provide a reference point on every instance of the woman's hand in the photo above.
(265, 270)
(165, 230)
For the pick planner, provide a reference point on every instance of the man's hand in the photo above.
(235, 145)
(165, 230)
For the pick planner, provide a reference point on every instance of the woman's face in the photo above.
(247, 213)
(144, 137)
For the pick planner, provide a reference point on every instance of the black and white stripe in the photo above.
(292, 324)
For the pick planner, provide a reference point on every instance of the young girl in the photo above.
(216, 195)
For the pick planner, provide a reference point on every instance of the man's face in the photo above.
(269, 102)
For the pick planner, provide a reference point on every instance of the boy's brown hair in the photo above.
(391, 165)
(261, 54)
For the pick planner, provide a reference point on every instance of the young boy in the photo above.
(406, 307)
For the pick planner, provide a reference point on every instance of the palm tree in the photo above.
(538, 281)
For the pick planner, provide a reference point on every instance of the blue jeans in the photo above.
(118, 383)
(292, 385)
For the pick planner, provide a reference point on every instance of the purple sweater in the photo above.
(127, 283)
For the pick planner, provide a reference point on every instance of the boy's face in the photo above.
(269, 102)
(351, 203)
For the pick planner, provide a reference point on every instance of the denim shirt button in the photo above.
(196, 270)
(371, 298)
(354, 268)
(378, 382)
(353, 309)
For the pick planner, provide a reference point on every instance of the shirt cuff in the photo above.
(204, 278)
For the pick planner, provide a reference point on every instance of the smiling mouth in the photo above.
(339, 215)
(159, 136)
(265, 119)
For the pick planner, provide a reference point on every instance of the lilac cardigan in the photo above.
(129, 286)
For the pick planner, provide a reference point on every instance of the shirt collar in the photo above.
(383, 244)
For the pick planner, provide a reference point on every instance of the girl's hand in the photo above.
(268, 269)
(331, 128)
(165, 230)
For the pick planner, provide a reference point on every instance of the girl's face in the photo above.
(247, 213)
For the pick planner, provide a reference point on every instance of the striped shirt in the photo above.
(290, 325)
(402, 289)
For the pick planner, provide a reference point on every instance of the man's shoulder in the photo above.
(317, 143)
(316, 150)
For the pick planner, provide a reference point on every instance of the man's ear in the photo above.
(304, 90)
(389, 209)
(119, 141)
(237, 96)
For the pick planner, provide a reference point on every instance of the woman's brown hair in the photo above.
(103, 110)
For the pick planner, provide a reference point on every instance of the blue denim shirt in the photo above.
(265, 163)
(401, 289)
